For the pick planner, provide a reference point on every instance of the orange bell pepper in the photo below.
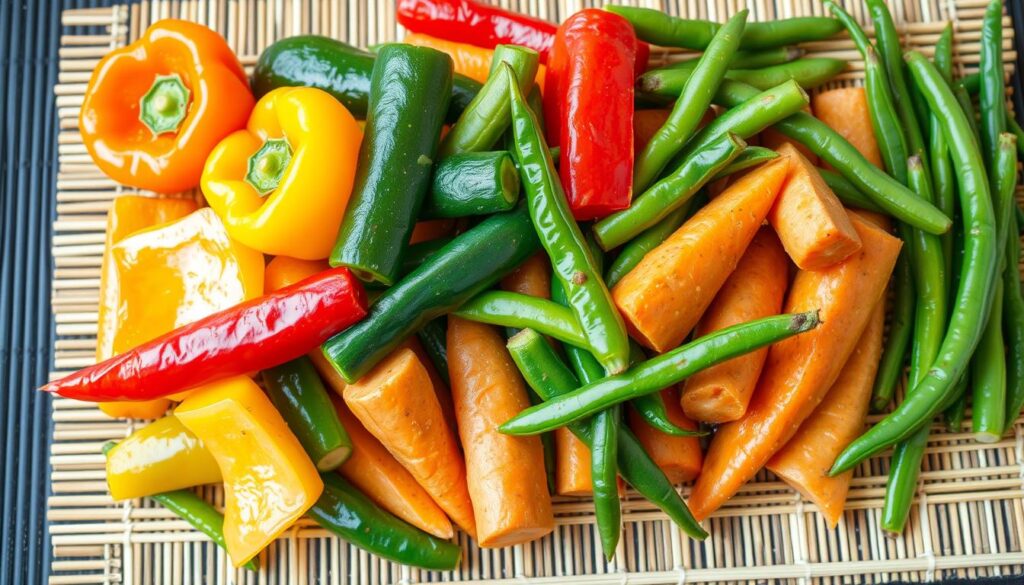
(285, 271)
(157, 279)
(470, 60)
(269, 481)
(160, 457)
(155, 109)
(282, 184)
(129, 214)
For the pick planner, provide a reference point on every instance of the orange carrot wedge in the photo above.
(645, 124)
(773, 139)
(507, 486)
(805, 460)
(396, 403)
(383, 479)
(572, 465)
(664, 296)
(755, 289)
(533, 277)
(679, 457)
(799, 370)
(469, 60)
(845, 110)
(811, 222)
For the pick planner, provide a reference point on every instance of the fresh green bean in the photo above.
(749, 157)
(472, 183)
(669, 193)
(974, 297)
(550, 378)
(992, 94)
(560, 235)
(943, 180)
(1014, 127)
(901, 326)
(988, 377)
(694, 100)
(1013, 323)
(809, 73)
(654, 26)
(488, 115)
(748, 59)
(659, 372)
(954, 414)
(963, 98)
(849, 194)
(651, 407)
(434, 339)
(510, 309)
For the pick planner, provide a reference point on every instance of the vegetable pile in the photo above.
(442, 281)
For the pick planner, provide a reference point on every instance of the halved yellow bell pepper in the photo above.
(269, 481)
(282, 184)
(160, 457)
(164, 276)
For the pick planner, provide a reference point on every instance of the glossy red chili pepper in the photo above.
(483, 25)
(593, 60)
(253, 335)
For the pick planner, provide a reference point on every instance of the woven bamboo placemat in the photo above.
(969, 519)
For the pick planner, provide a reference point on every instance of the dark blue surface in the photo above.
(29, 36)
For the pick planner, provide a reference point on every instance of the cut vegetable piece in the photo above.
(845, 110)
(470, 60)
(532, 278)
(755, 289)
(285, 271)
(573, 463)
(805, 460)
(811, 222)
(664, 296)
(679, 457)
(509, 494)
(396, 403)
(800, 370)
(129, 214)
(372, 469)
(773, 139)
(269, 482)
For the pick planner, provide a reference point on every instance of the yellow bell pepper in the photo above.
(162, 277)
(269, 481)
(282, 184)
(160, 457)
(285, 271)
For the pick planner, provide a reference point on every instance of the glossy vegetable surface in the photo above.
(472, 183)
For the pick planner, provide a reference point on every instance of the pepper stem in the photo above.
(267, 165)
(165, 105)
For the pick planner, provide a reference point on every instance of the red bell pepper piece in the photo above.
(483, 25)
(254, 335)
(590, 97)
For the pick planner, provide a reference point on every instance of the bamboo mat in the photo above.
(968, 522)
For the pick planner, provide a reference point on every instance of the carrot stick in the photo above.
(572, 465)
(679, 457)
(506, 486)
(396, 403)
(664, 296)
(532, 278)
(755, 289)
(383, 479)
(469, 60)
(805, 460)
(800, 370)
(845, 110)
(811, 222)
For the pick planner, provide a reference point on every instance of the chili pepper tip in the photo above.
(806, 321)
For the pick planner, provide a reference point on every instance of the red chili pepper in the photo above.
(483, 25)
(590, 96)
(254, 335)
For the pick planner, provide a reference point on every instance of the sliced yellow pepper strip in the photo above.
(160, 457)
(269, 481)
(282, 184)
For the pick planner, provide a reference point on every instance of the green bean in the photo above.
(634, 251)
(809, 73)
(992, 94)
(434, 339)
(963, 98)
(659, 372)
(849, 194)
(486, 117)
(1014, 127)
(472, 183)
(827, 144)
(988, 377)
(901, 326)
(669, 193)
(560, 235)
(885, 120)
(651, 407)
(954, 414)
(938, 150)
(1013, 323)
(747, 59)
(694, 100)
(929, 327)
(974, 297)
(510, 309)
(654, 26)
(548, 376)
(749, 157)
